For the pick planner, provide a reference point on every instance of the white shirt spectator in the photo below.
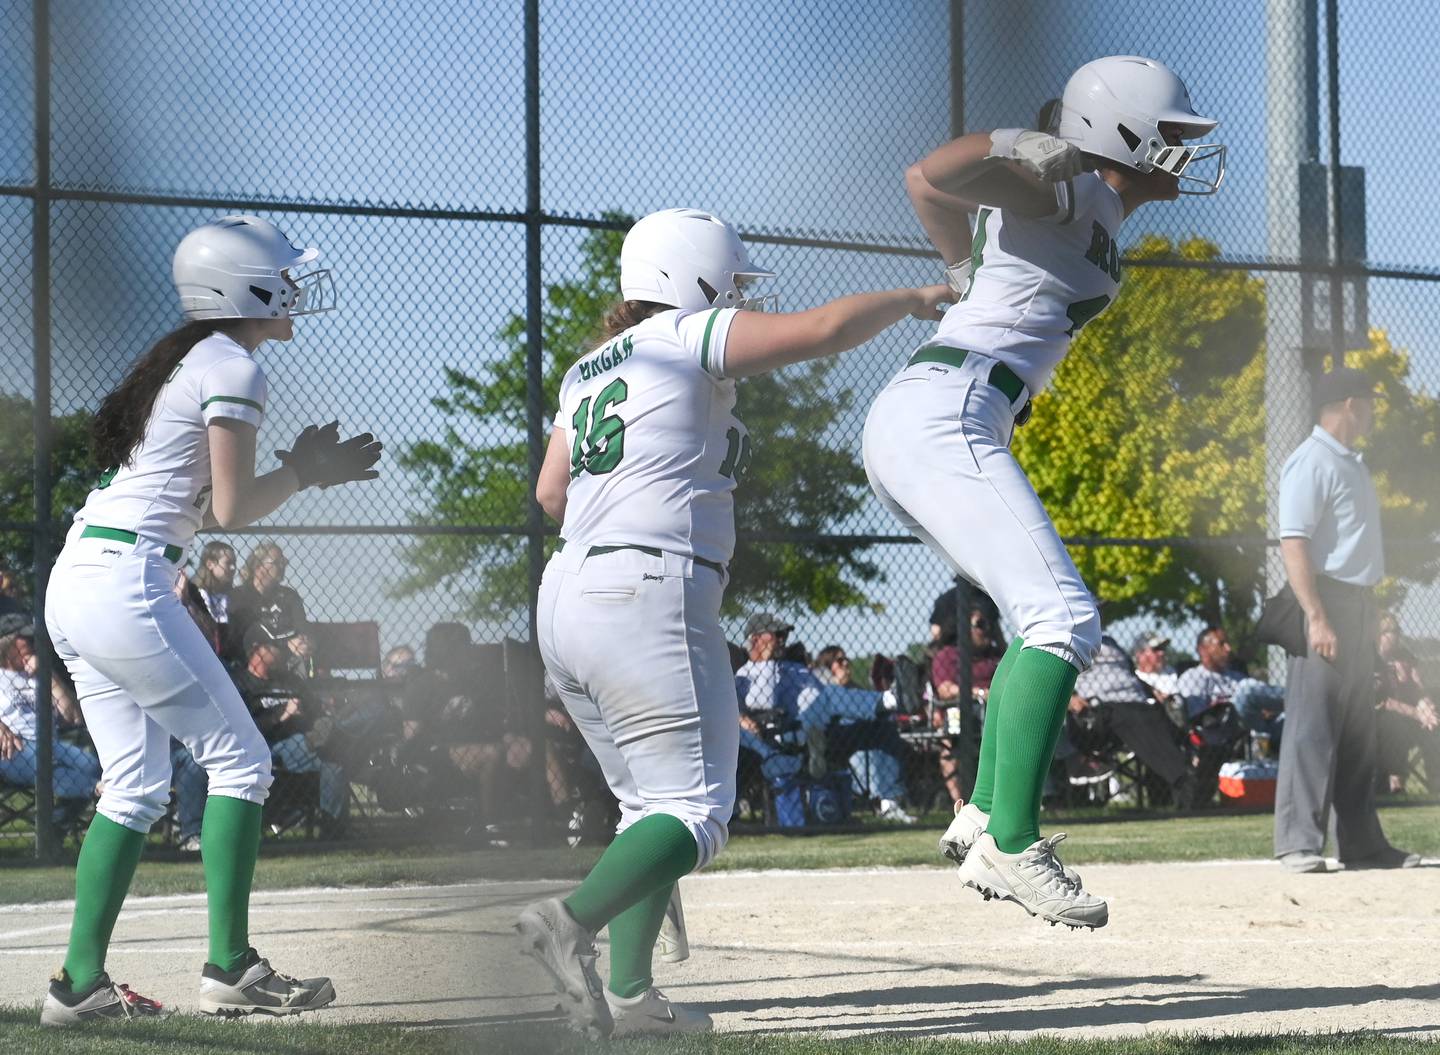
(17, 703)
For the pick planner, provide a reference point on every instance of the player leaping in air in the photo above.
(178, 434)
(1045, 259)
(640, 471)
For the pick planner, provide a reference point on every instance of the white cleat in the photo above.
(567, 951)
(259, 989)
(1035, 880)
(653, 1012)
(105, 1000)
(968, 825)
(671, 943)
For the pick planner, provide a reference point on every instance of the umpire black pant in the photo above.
(1328, 753)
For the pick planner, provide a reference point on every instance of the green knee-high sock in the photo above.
(647, 856)
(229, 845)
(1036, 696)
(632, 943)
(983, 794)
(102, 878)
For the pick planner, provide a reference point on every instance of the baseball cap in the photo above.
(260, 634)
(766, 622)
(1150, 639)
(17, 623)
(1341, 384)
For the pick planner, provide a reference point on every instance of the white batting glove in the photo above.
(1052, 160)
(957, 277)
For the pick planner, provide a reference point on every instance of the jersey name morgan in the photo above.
(655, 447)
(1036, 282)
(164, 492)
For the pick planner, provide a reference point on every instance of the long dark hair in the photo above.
(119, 425)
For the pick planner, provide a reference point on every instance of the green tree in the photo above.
(1154, 427)
(71, 475)
(476, 472)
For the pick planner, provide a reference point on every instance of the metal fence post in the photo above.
(46, 843)
(1337, 285)
(534, 386)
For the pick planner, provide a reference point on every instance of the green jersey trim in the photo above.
(705, 341)
(233, 399)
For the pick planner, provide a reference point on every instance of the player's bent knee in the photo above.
(137, 808)
(247, 775)
(710, 838)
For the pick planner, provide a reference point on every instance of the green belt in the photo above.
(597, 551)
(1001, 376)
(172, 553)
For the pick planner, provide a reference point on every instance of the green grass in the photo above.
(187, 1035)
(1097, 838)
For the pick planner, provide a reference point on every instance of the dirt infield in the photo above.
(1229, 947)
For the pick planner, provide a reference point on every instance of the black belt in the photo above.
(1001, 376)
(598, 551)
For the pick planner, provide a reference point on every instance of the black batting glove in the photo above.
(319, 458)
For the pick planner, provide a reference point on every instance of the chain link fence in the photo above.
(469, 172)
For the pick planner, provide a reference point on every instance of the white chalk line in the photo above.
(259, 898)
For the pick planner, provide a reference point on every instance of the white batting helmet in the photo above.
(232, 268)
(687, 258)
(1114, 107)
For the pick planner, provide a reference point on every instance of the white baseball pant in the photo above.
(143, 673)
(633, 643)
(937, 451)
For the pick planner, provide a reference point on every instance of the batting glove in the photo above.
(320, 458)
(1052, 160)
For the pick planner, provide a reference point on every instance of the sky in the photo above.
(790, 118)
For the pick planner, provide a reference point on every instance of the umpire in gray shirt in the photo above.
(1330, 541)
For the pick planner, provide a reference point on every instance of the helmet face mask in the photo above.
(314, 292)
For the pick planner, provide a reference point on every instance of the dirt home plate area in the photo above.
(1218, 948)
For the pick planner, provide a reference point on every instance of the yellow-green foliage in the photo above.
(1154, 427)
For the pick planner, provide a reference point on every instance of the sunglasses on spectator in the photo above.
(840, 661)
(979, 624)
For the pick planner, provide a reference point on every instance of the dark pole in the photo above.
(46, 848)
(1337, 286)
(964, 596)
(957, 68)
(534, 384)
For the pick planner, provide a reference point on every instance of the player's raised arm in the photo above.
(1009, 168)
(759, 341)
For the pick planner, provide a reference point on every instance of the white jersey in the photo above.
(1036, 282)
(655, 449)
(164, 492)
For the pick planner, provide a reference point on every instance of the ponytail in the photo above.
(119, 425)
(629, 313)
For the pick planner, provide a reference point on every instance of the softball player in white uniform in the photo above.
(640, 469)
(179, 435)
(1045, 260)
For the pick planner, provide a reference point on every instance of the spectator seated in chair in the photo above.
(1152, 668)
(793, 697)
(1213, 681)
(76, 771)
(263, 598)
(1112, 704)
(288, 719)
(1406, 718)
(455, 740)
(214, 580)
(855, 728)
